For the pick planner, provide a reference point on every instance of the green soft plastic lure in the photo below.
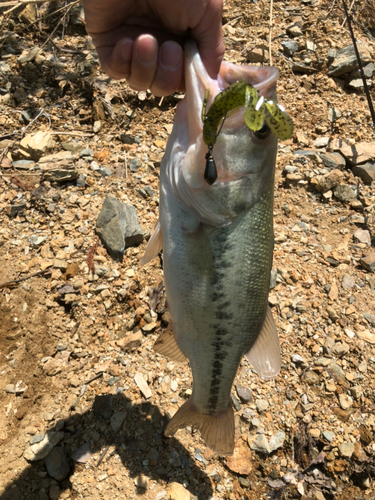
(258, 111)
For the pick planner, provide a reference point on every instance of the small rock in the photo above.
(297, 359)
(346, 401)
(332, 313)
(130, 342)
(261, 405)
(315, 433)
(370, 318)
(362, 236)
(289, 47)
(177, 491)
(105, 171)
(365, 435)
(294, 31)
(332, 115)
(365, 172)
(366, 336)
(340, 349)
(328, 435)
(57, 464)
(332, 160)
(346, 449)
(345, 193)
(321, 142)
(118, 227)
(36, 240)
(347, 282)
(329, 181)
(142, 385)
(33, 146)
(117, 420)
(260, 444)
(368, 262)
(277, 441)
(310, 377)
(244, 393)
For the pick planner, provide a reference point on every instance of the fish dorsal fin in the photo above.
(264, 354)
(154, 245)
(166, 345)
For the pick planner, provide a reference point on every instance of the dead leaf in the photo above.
(240, 462)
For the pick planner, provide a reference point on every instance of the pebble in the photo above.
(177, 491)
(321, 142)
(289, 47)
(347, 282)
(346, 401)
(368, 262)
(362, 236)
(329, 435)
(346, 449)
(244, 393)
(142, 385)
(310, 377)
(262, 405)
(260, 444)
(345, 193)
(365, 172)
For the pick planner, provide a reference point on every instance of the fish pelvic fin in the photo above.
(264, 354)
(154, 245)
(217, 429)
(166, 345)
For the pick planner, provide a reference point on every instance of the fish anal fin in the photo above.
(264, 354)
(166, 345)
(217, 429)
(154, 245)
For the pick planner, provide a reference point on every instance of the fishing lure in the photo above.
(258, 111)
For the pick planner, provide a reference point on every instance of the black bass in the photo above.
(216, 231)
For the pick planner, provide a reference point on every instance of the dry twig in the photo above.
(270, 32)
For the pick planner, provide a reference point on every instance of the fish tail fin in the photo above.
(217, 429)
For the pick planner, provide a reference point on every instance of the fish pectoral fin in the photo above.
(154, 245)
(217, 429)
(264, 354)
(166, 345)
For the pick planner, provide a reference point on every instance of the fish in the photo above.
(217, 238)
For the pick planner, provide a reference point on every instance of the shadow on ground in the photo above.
(143, 450)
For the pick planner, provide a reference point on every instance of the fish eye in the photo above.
(263, 132)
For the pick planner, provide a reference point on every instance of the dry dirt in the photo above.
(64, 363)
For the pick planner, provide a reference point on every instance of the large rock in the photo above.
(359, 153)
(118, 227)
(37, 451)
(365, 172)
(33, 146)
(329, 181)
(57, 464)
(346, 60)
(58, 167)
(332, 160)
(345, 193)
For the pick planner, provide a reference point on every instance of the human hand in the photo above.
(140, 40)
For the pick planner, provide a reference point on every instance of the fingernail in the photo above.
(171, 56)
(147, 49)
(126, 49)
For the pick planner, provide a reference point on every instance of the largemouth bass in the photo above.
(217, 240)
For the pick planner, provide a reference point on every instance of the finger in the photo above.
(116, 62)
(169, 69)
(144, 62)
(209, 35)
